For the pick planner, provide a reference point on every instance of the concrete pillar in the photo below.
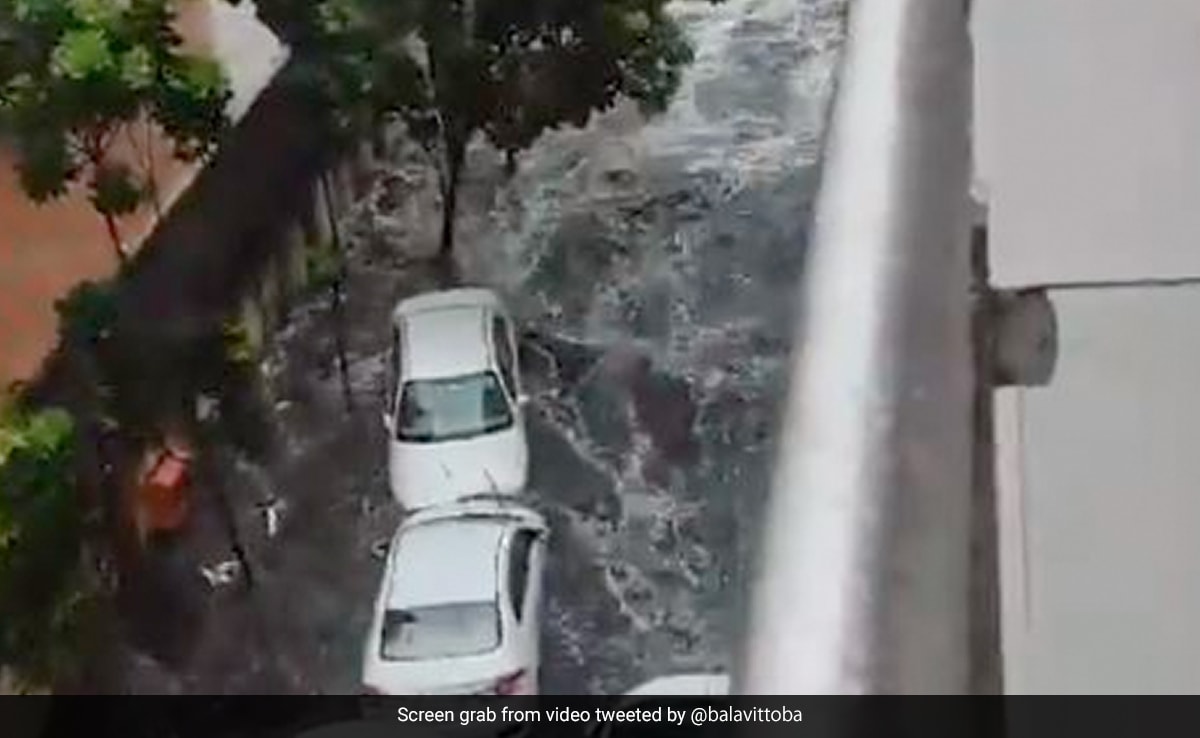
(345, 183)
(322, 227)
(295, 254)
(270, 298)
(253, 320)
(364, 165)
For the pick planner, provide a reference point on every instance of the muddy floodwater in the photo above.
(657, 268)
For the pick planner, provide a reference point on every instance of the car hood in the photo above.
(424, 474)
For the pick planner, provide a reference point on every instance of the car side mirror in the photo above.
(522, 400)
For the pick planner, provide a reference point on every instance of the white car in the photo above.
(459, 603)
(697, 685)
(454, 400)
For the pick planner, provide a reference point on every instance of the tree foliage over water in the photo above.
(76, 75)
(41, 592)
(451, 69)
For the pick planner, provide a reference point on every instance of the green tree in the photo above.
(509, 69)
(77, 75)
(41, 591)
(353, 71)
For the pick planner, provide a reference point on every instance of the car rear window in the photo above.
(440, 631)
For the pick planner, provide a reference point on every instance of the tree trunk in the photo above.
(151, 176)
(455, 154)
(337, 295)
(449, 207)
(469, 22)
(114, 235)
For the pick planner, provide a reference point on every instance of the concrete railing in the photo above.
(864, 573)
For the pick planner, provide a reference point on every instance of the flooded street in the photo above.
(653, 267)
(656, 267)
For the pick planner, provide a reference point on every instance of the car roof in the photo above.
(477, 297)
(445, 342)
(445, 561)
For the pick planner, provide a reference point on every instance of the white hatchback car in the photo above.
(458, 609)
(454, 400)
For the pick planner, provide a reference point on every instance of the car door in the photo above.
(525, 564)
(392, 380)
(504, 345)
(537, 573)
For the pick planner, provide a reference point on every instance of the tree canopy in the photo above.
(40, 527)
(509, 69)
(76, 74)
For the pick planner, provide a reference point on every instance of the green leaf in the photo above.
(637, 21)
(10, 441)
(99, 12)
(336, 17)
(238, 342)
(32, 11)
(115, 190)
(82, 53)
(191, 105)
(20, 89)
(88, 314)
(44, 165)
(204, 76)
(49, 430)
(137, 68)
(42, 596)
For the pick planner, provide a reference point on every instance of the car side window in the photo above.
(504, 354)
(518, 570)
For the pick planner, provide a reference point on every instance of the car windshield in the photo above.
(440, 631)
(459, 407)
